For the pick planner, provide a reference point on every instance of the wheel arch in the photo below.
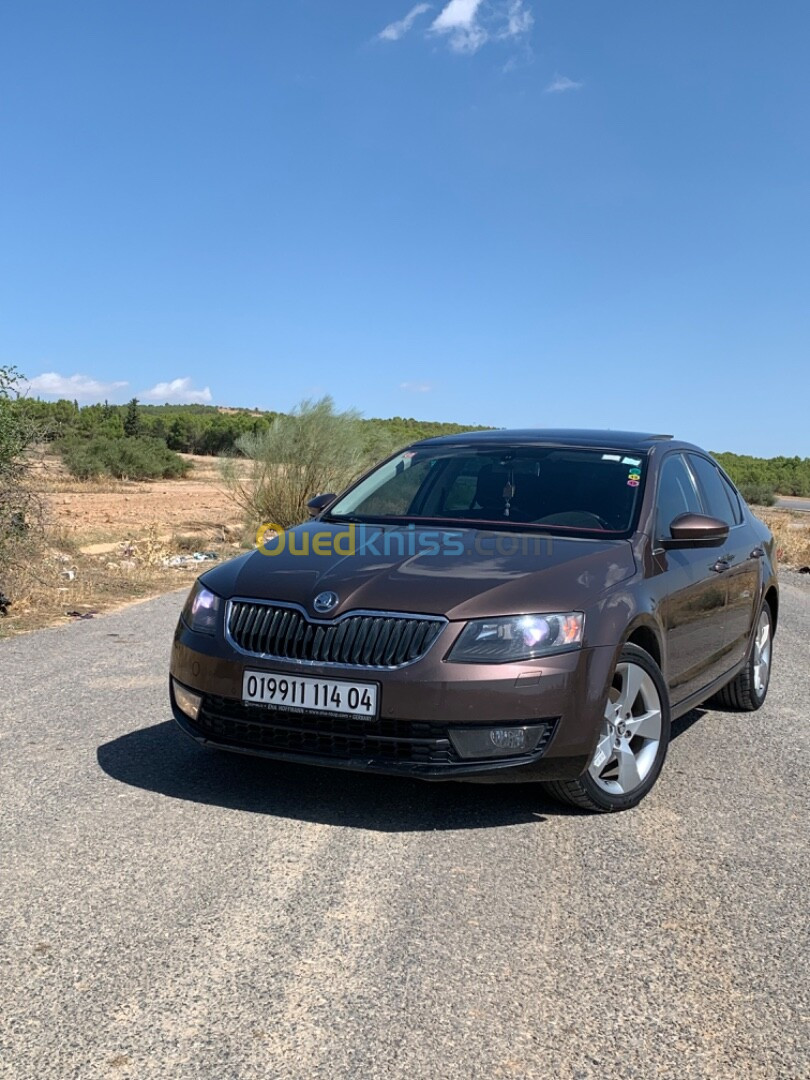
(647, 637)
(772, 600)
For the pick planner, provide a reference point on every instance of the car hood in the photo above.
(459, 573)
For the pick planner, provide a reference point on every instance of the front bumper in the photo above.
(423, 710)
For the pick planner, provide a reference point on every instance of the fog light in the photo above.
(508, 738)
(484, 742)
(186, 700)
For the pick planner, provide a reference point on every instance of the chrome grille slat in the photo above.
(383, 636)
(393, 640)
(407, 642)
(238, 617)
(364, 639)
(360, 641)
(348, 641)
(262, 625)
(336, 643)
(249, 621)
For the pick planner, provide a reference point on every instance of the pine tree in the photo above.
(132, 420)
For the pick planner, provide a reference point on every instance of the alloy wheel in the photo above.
(762, 652)
(630, 734)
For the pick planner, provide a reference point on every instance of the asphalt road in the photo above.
(171, 913)
(793, 503)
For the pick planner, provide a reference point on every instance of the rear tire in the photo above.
(747, 690)
(633, 740)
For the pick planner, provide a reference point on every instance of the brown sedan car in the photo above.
(500, 605)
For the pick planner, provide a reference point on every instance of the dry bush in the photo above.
(792, 534)
(186, 543)
(311, 451)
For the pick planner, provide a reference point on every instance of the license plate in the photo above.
(289, 693)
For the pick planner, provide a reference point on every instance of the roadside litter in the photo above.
(189, 560)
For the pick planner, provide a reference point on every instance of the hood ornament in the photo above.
(325, 602)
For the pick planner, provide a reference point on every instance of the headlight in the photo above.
(201, 609)
(517, 637)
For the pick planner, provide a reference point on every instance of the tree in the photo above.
(17, 432)
(132, 420)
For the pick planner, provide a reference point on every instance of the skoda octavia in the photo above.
(494, 606)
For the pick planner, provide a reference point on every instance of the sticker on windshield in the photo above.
(612, 457)
(634, 477)
(631, 461)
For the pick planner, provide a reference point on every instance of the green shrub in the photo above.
(17, 502)
(758, 494)
(134, 458)
(311, 451)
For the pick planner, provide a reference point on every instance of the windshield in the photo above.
(591, 491)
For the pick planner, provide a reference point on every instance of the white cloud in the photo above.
(519, 20)
(80, 387)
(416, 387)
(178, 392)
(560, 83)
(459, 21)
(466, 25)
(395, 30)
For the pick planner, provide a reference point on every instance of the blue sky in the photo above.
(514, 213)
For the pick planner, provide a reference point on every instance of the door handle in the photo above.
(720, 566)
(757, 553)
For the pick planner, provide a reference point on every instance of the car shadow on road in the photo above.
(683, 723)
(162, 759)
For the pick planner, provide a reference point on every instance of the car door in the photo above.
(738, 556)
(691, 590)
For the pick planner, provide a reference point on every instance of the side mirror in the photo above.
(695, 530)
(320, 502)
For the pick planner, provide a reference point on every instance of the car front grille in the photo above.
(341, 738)
(367, 640)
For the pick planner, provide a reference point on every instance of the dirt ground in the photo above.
(109, 542)
(116, 510)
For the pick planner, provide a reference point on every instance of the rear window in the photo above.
(553, 487)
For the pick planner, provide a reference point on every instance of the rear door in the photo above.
(692, 604)
(738, 554)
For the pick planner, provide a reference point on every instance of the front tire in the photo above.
(633, 739)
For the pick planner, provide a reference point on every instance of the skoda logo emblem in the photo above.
(325, 601)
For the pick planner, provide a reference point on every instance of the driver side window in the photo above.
(676, 495)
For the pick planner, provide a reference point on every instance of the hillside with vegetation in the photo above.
(79, 532)
(89, 436)
(85, 435)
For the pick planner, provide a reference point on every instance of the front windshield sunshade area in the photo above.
(562, 488)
